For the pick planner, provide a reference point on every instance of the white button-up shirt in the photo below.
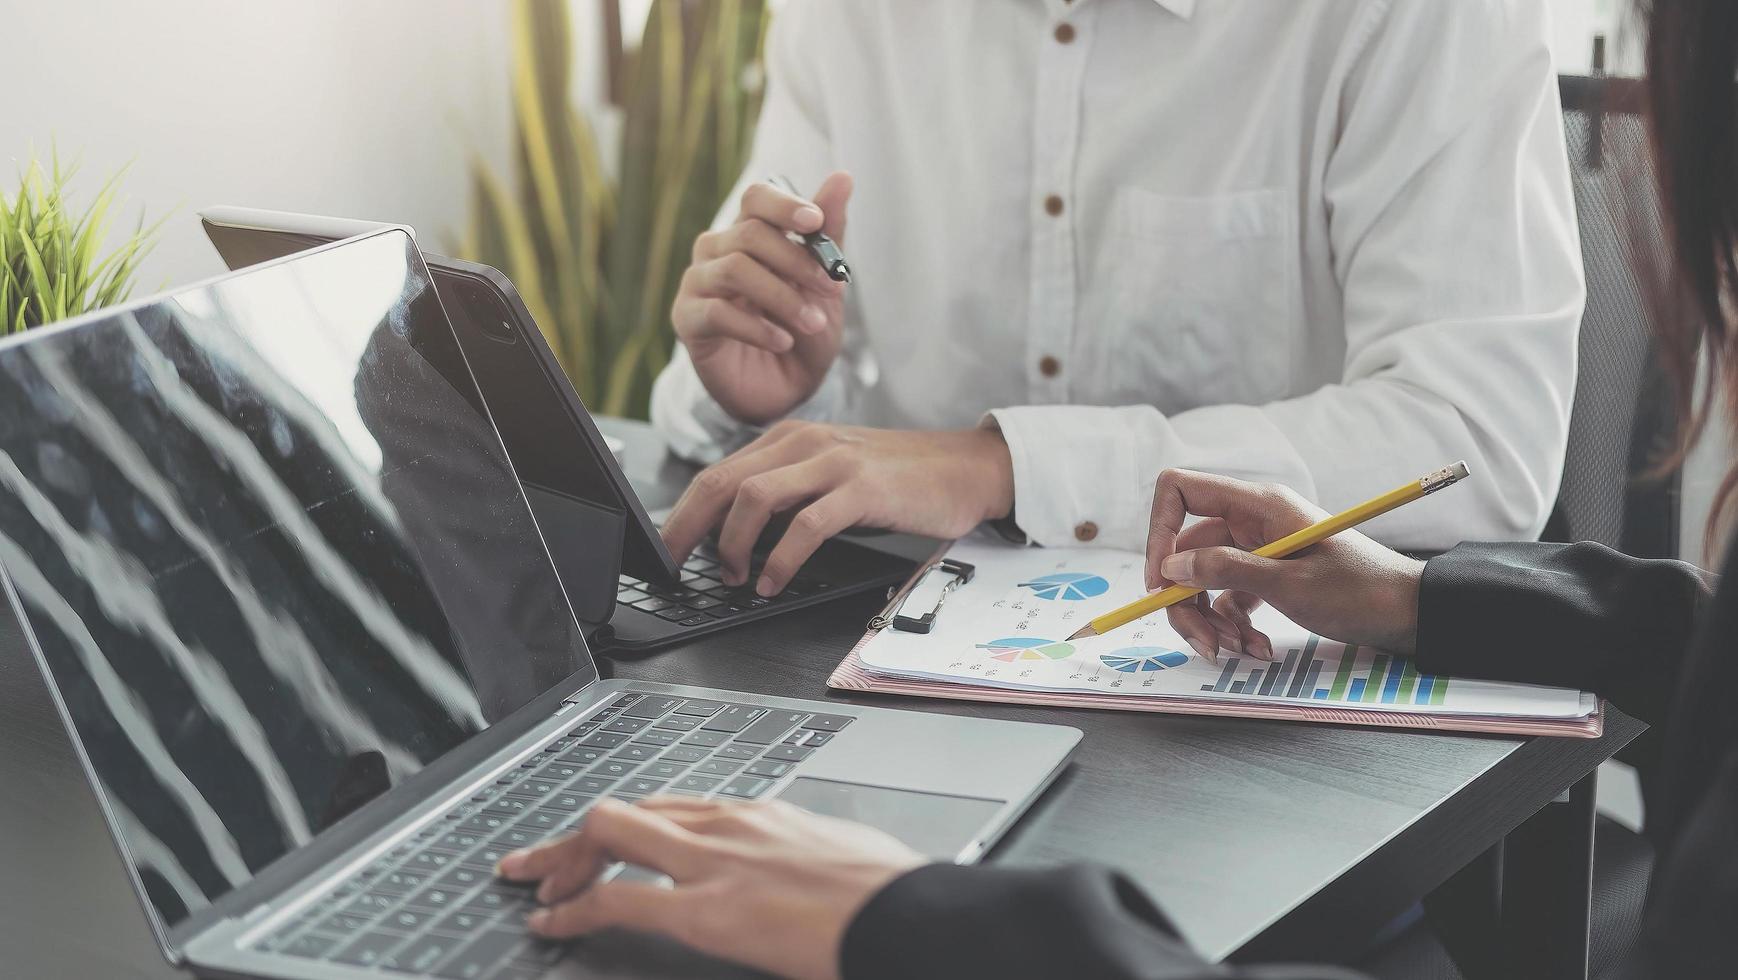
(1329, 243)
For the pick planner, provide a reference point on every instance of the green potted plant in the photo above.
(52, 259)
(597, 251)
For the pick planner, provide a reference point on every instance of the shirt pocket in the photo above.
(1200, 308)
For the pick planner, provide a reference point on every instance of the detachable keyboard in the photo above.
(432, 906)
(701, 597)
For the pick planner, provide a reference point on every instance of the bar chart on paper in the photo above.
(1005, 629)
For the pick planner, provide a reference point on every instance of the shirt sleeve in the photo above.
(1563, 615)
(1453, 237)
(1078, 921)
(791, 139)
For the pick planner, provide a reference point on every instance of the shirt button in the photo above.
(1085, 531)
(1064, 33)
(1053, 205)
(1049, 366)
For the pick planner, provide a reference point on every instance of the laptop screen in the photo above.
(272, 553)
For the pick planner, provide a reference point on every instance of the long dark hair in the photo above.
(1692, 68)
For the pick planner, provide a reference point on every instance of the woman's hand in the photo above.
(1348, 587)
(764, 884)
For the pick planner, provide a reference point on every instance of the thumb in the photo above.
(832, 196)
(1223, 568)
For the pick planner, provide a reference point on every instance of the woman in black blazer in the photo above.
(808, 896)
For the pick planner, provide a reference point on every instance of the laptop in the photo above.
(573, 480)
(294, 610)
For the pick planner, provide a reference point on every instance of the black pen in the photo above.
(820, 246)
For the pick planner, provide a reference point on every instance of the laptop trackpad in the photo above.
(931, 824)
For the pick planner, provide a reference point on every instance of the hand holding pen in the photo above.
(761, 308)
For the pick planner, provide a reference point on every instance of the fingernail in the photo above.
(537, 919)
(1179, 568)
(782, 341)
(765, 587)
(510, 864)
(810, 215)
(814, 319)
(1211, 653)
(733, 577)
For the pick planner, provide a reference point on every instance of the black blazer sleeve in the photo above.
(1565, 615)
(1078, 921)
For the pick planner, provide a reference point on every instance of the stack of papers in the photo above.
(1004, 637)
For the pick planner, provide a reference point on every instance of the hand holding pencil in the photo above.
(1340, 583)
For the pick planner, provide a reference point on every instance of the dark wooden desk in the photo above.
(1254, 836)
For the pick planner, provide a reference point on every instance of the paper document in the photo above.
(1008, 628)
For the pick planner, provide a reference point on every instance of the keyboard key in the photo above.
(583, 756)
(738, 752)
(734, 718)
(745, 787)
(368, 950)
(699, 620)
(789, 753)
(662, 770)
(559, 745)
(309, 944)
(633, 752)
(495, 900)
(549, 818)
(603, 740)
(591, 784)
(406, 920)
(675, 614)
(652, 604)
(769, 769)
(679, 723)
(514, 838)
(771, 727)
(566, 802)
(612, 768)
(722, 612)
(429, 862)
(459, 841)
(508, 806)
(560, 772)
(344, 924)
(397, 883)
(685, 754)
(828, 723)
(463, 879)
(631, 596)
(719, 767)
(420, 954)
(626, 725)
(536, 788)
(657, 736)
(703, 602)
(708, 739)
(651, 706)
(818, 739)
(641, 787)
(374, 902)
(482, 957)
(460, 923)
(486, 857)
(696, 784)
(434, 899)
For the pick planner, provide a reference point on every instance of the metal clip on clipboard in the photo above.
(913, 609)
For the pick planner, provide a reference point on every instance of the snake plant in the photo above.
(598, 251)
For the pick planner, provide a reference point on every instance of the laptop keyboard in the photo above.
(432, 906)
(701, 597)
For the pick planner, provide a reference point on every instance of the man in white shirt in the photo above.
(1326, 243)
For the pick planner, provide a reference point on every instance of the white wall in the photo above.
(364, 109)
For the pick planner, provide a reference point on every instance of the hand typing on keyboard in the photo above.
(765, 884)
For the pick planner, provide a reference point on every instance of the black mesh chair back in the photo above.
(1621, 423)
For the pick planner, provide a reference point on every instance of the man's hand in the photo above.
(761, 319)
(833, 477)
(764, 884)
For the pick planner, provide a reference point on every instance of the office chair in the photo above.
(1619, 427)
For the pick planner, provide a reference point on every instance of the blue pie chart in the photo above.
(1132, 660)
(1067, 586)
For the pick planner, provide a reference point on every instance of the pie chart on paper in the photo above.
(1011, 648)
(1067, 586)
(1131, 660)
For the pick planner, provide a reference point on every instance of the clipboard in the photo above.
(919, 604)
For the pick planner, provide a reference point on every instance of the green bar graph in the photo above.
(1344, 676)
(1373, 688)
(1407, 680)
(1438, 689)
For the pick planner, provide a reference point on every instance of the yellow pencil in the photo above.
(1289, 545)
